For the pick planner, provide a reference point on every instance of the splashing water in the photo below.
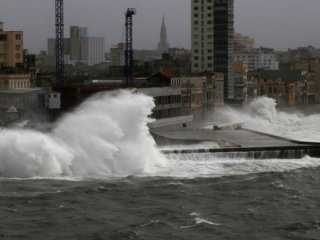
(106, 136)
(211, 166)
(262, 115)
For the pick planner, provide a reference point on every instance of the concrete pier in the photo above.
(233, 140)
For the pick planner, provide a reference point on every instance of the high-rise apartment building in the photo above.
(213, 40)
(93, 50)
(77, 34)
(11, 47)
(80, 48)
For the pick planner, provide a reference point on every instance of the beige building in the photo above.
(202, 33)
(240, 79)
(312, 84)
(11, 48)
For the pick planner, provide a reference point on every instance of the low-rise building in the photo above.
(14, 81)
(167, 101)
(240, 75)
(218, 90)
(243, 43)
(258, 59)
(117, 54)
(312, 83)
(27, 103)
(192, 92)
(282, 85)
(252, 86)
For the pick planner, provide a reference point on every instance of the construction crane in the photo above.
(59, 45)
(129, 43)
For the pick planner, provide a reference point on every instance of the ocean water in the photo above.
(100, 175)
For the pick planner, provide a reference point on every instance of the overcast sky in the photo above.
(279, 24)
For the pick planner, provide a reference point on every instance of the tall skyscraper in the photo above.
(163, 44)
(213, 40)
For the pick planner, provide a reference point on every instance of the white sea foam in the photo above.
(106, 136)
(262, 115)
(201, 145)
(209, 165)
(198, 220)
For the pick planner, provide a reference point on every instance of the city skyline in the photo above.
(274, 23)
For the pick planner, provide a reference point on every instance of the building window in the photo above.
(18, 36)
(3, 55)
(3, 37)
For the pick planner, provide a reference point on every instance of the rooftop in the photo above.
(286, 75)
(21, 91)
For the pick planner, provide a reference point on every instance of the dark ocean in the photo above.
(283, 205)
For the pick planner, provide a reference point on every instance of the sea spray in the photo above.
(106, 136)
(207, 165)
(262, 115)
(27, 153)
(263, 108)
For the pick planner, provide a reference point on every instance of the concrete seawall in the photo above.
(244, 142)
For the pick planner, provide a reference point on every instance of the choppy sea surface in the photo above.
(99, 175)
(281, 205)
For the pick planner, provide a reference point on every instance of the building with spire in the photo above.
(163, 45)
